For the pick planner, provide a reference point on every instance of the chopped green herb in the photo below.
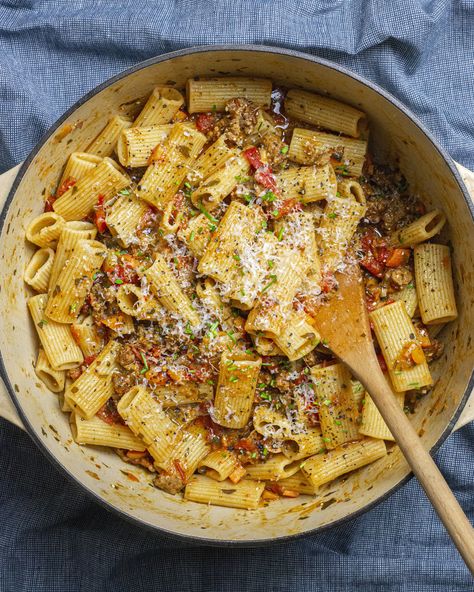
(273, 280)
(270, 264)
(233, 379)
(212, 227)
(326, 402)
(275, 213)
(414, 384)
(281, 233)
(212, 329)
(187, 185)
(42, 323)
(326, 439)
(124, 192)
(188, 329)
(285, 149)
(145, 363)
(211, 382)
(269, 196)
(241, 179)
(338, 422)
(214, 108)
(96, 275)
(266, 396)
(342, 170)
(231, 336)
(248, 197)
(332, 215)
(209, 216)
(253, 455)
(325, 342)
(249, 352)
(191, 236)
(118, 281)
(265, 451)
(73, 307)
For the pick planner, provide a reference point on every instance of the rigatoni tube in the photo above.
(235, 391)
(323, 468)
(403, 355)
(434, 283)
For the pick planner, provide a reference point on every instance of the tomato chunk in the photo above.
(99, 217)
(397, 257)
(253, 156)
(205, 122)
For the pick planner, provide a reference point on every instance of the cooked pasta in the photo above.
(175, 300)
(105, 143)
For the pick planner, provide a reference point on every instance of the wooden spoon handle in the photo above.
(423, 466)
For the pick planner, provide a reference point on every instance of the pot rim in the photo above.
(192, 539)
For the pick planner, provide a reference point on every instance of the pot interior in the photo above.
(394, 138)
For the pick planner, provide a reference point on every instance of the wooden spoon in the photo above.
(343, 323)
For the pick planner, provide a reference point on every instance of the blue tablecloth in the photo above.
(52, 536)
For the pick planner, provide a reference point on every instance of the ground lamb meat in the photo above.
(126, 356)
(388, 203)
(169, 483)
(103, 302)
(143, 460)
(274, 145)
(121, 384)
(239, 123)
(399, 277)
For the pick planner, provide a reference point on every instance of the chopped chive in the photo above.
(191, 236)
(281, 233)
(118, 281)
(231, 336)
(212, 227)
(326, 402)
(332, 215)
(145, 363)
(212, 329)
(124, 192)
(270, 264)
(187, 185)
(326, 439)
(233, 379)
(285, 149)
(42, 323)
(208, 215)
(266, 396)
(249, 352)
(269, 196)
(188, 329)
(73, 307)
(273, 279)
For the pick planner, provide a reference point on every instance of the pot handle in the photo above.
(7, 409)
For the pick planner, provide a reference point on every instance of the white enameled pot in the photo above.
(395, 136)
